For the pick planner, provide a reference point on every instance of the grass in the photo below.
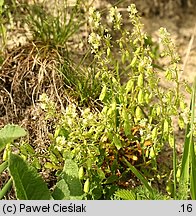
(110, 129)
(188, 173)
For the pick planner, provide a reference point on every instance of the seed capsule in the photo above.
(182, 105)
(81, 173)
(140, 80)
(181, 122)
(141, 97)
(166, 127)
(154, 133)
(133, 62)
(123, 58)
(138, 113)
(103, 93)
(129, 86)
(86, 186)
(169, 187)
(108, 51)
(158, 109)
(171, 140)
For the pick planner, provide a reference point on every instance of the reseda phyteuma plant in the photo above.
(135, 108)
(141, 97)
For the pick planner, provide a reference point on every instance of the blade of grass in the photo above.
(192, 149)
(193, 175)
(188, 158)
(138, 175)
(184, 176)
(6, 188)
(174, 169)
(3, 166)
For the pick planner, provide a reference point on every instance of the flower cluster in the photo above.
(95, 42)
(94, 18)
(115, 17)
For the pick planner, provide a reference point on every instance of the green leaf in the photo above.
(139, 175)
(3, 166)
(70, 174)
(117, 142)
(192, 147)
(103, 93)
(188, 169)
(28, 183)
(5, 188)
(111, 179)
(125, 194)
(193, 176)
(61, 191)
(9, 133)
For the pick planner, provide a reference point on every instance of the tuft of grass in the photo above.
(55, 28)
(187, 182)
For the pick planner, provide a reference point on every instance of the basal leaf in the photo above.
(70, 174)
(9, 133)
(61, 191)
(28, 183)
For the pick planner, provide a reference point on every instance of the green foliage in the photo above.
(119, 122)
(187, 180)
(139, 176)
(2, 27)
(140, 193)
(143, 194)
(82, 82)
(69, 186)
(54, 27)
(134, 109)
(6, 188)
(125, 194)
(27, 183)
(9, 133)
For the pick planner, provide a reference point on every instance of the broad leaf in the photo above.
(70, 174)
(28, 183)
(9, 133)
(61, 191)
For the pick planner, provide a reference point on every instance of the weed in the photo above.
(135, 121)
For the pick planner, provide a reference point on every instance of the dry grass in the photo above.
(27, 72)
